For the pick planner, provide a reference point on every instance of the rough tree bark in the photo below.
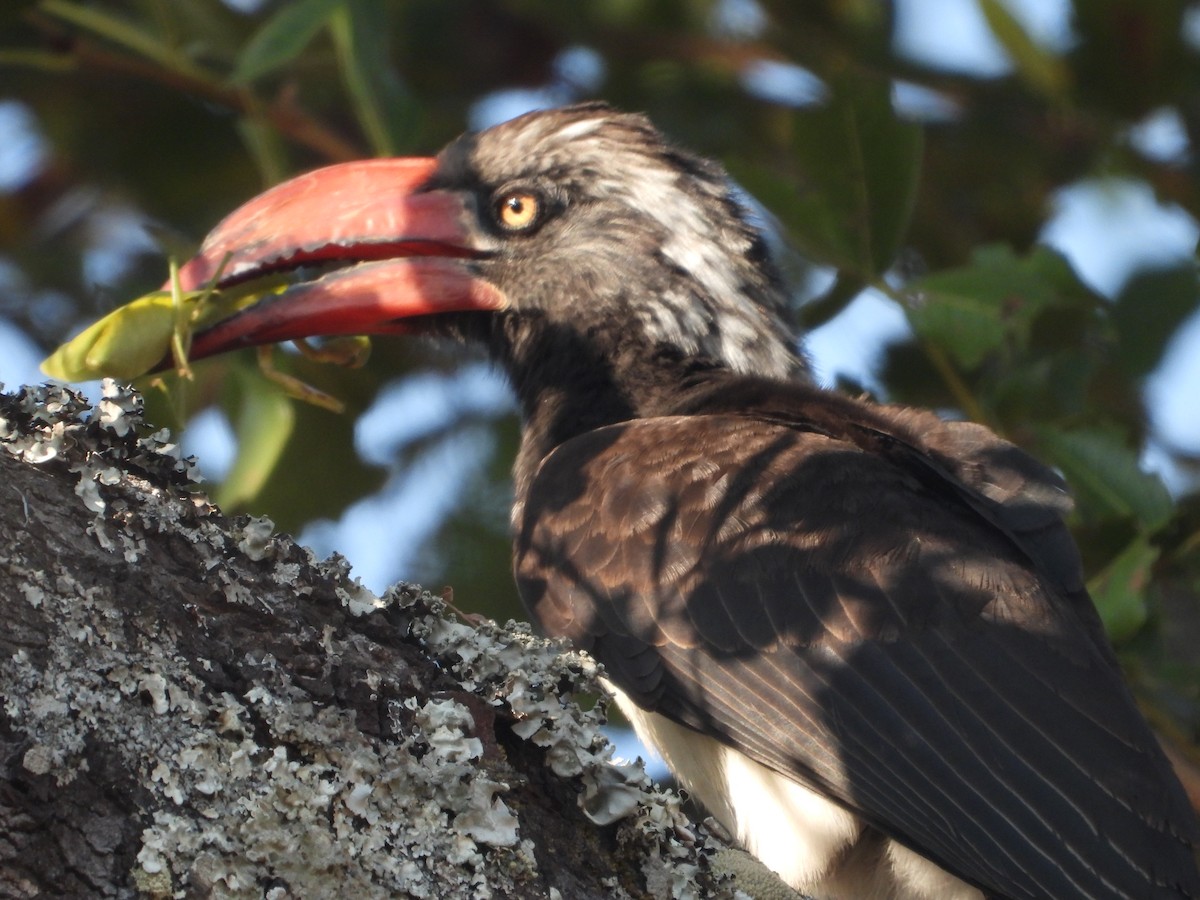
(196, 707)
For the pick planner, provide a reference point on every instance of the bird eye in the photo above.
(518, 211)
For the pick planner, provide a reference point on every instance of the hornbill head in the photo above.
(556, 227)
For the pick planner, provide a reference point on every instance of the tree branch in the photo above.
(285, 114)
(195, 704)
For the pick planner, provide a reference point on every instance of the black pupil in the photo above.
(516, 205)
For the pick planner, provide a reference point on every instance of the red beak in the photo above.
(400, 252)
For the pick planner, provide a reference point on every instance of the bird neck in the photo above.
(570, 381)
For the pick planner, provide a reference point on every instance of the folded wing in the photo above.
(902, 627)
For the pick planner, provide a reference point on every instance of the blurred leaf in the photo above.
(967, 327)
(1024, 284)
(14, 9)
(470, 548)
(858, 167)
(1104, 474)
(319, 472)
(1148, 311)
(1130, 55)
(283, 37)
(211, 31)
(265, 421)
(172, 400)
(381, 103)
(264, 145)
(123, 33)
(473, 543)
(1181, 540)
(1041, 70)
(1120, 590)
(973, 310)
(46, 60)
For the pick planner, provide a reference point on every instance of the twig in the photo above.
(285, 114)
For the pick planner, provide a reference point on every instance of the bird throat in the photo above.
(571, 381)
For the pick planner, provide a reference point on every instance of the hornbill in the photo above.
(857, 633)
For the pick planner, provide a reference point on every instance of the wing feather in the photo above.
(881, 624)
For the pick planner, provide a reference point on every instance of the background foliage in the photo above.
(177, 110)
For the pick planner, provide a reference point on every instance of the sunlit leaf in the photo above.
(156, 328)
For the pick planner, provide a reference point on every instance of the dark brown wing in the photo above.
(867, 621)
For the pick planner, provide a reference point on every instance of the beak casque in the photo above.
(395, 251)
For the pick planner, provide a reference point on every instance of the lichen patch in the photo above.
(318, 763)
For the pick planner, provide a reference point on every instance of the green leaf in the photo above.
(283, 37)
(973, 310)
(1120, 590)
(381, 103)
(1042, 71)
(265, 147)
(1104, 474)
(1150, 308)
(1021, 286)
(857, 167)
(966, 327)
(43, 60)
(317, 473)
(266, 420)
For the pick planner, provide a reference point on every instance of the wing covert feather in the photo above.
(831, 613)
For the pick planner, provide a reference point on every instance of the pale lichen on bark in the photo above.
(256, 723)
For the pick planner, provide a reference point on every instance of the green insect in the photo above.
(127, 343)
(136, 338)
